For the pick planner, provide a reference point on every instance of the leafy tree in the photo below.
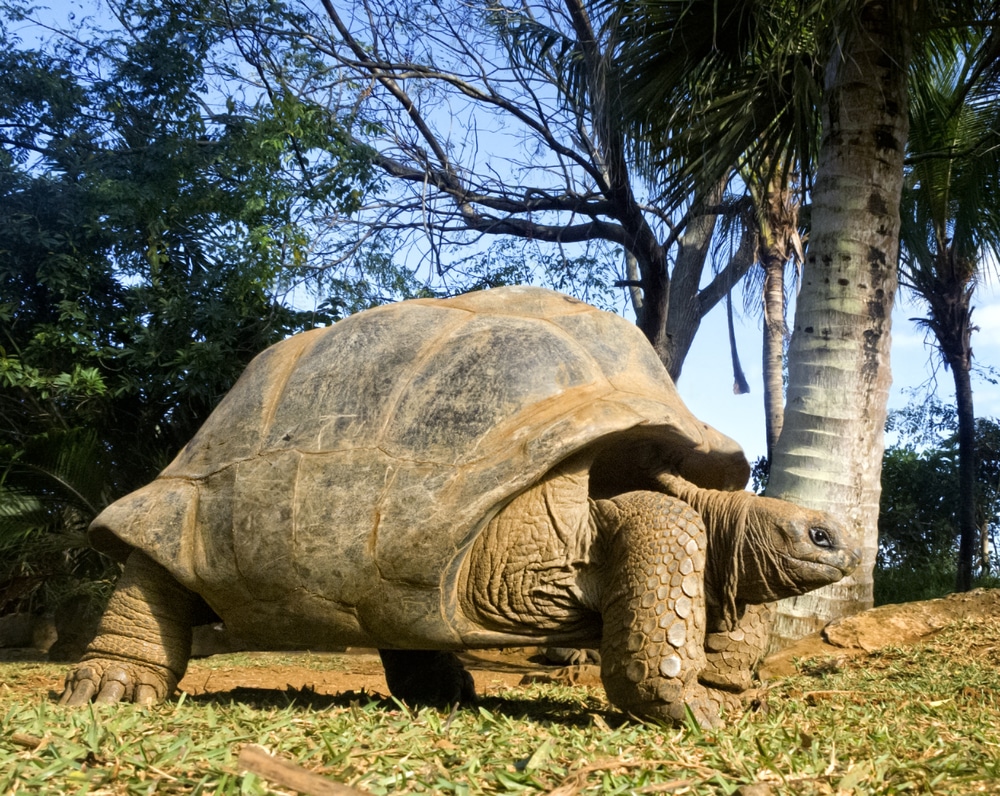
(146, 238)
(919, 518)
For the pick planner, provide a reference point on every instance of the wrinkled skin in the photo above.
(680, 603)
(143, 642)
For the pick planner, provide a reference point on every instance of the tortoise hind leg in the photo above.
(427, 677)
(143, 642)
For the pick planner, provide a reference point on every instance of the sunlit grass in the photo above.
(924, 719)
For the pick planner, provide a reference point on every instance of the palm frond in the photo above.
(537, 47)
(712, 86)
(60, 467)
(950, 213)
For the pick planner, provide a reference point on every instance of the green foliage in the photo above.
(918, 523)
(747, 76)
(929, 582)
(917, 515)
(951, 208)
(148, 232)
(49, 492)
(759, 472)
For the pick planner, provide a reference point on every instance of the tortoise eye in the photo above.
(820, 538)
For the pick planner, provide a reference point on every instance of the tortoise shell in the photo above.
(330, 496)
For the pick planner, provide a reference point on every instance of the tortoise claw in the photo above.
(145, 695)
(79, 689)
(106, 682)
(114, 685)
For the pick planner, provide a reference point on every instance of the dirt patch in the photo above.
(337, 673)
(327, 674)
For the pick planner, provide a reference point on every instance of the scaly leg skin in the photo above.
(143, 642)
(733, 655)
(653, 608)
(427, 677)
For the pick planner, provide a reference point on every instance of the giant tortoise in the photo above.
(503, 468)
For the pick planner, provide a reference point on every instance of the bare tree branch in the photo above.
(483, 132)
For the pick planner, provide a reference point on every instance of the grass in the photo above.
(923, 720)
(255, 660)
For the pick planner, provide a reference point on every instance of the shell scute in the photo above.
(342, 391)
(465, 388)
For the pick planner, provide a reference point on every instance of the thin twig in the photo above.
(261, 762)
(29, 741)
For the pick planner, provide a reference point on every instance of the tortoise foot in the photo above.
(674, 704)
(427, 677)
(106, 681)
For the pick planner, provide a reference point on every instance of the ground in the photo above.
(360, 670)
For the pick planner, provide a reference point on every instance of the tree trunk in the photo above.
(829, 455)
(774, 347)
(966, 475)
(773, 263)
(950, 318)
(777, 212)
(689, 300)
(684, 311)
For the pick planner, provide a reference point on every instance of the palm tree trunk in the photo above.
(774, 347)
(777, 211)
(966, 474)
(829, 455)
(950, 319)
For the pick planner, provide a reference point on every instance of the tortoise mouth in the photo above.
(813, 574)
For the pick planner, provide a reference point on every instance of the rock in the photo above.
(884, 626)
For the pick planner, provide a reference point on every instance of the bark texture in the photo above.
(829, 454)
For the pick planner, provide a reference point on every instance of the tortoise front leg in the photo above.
(733, 655)
(143, 642)
(653, 609)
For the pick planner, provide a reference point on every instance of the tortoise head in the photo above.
(789, 550)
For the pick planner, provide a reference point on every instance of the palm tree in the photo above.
(829, 451)
(731, 91)
(753, 79)
(829, 454)
(951, 227)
